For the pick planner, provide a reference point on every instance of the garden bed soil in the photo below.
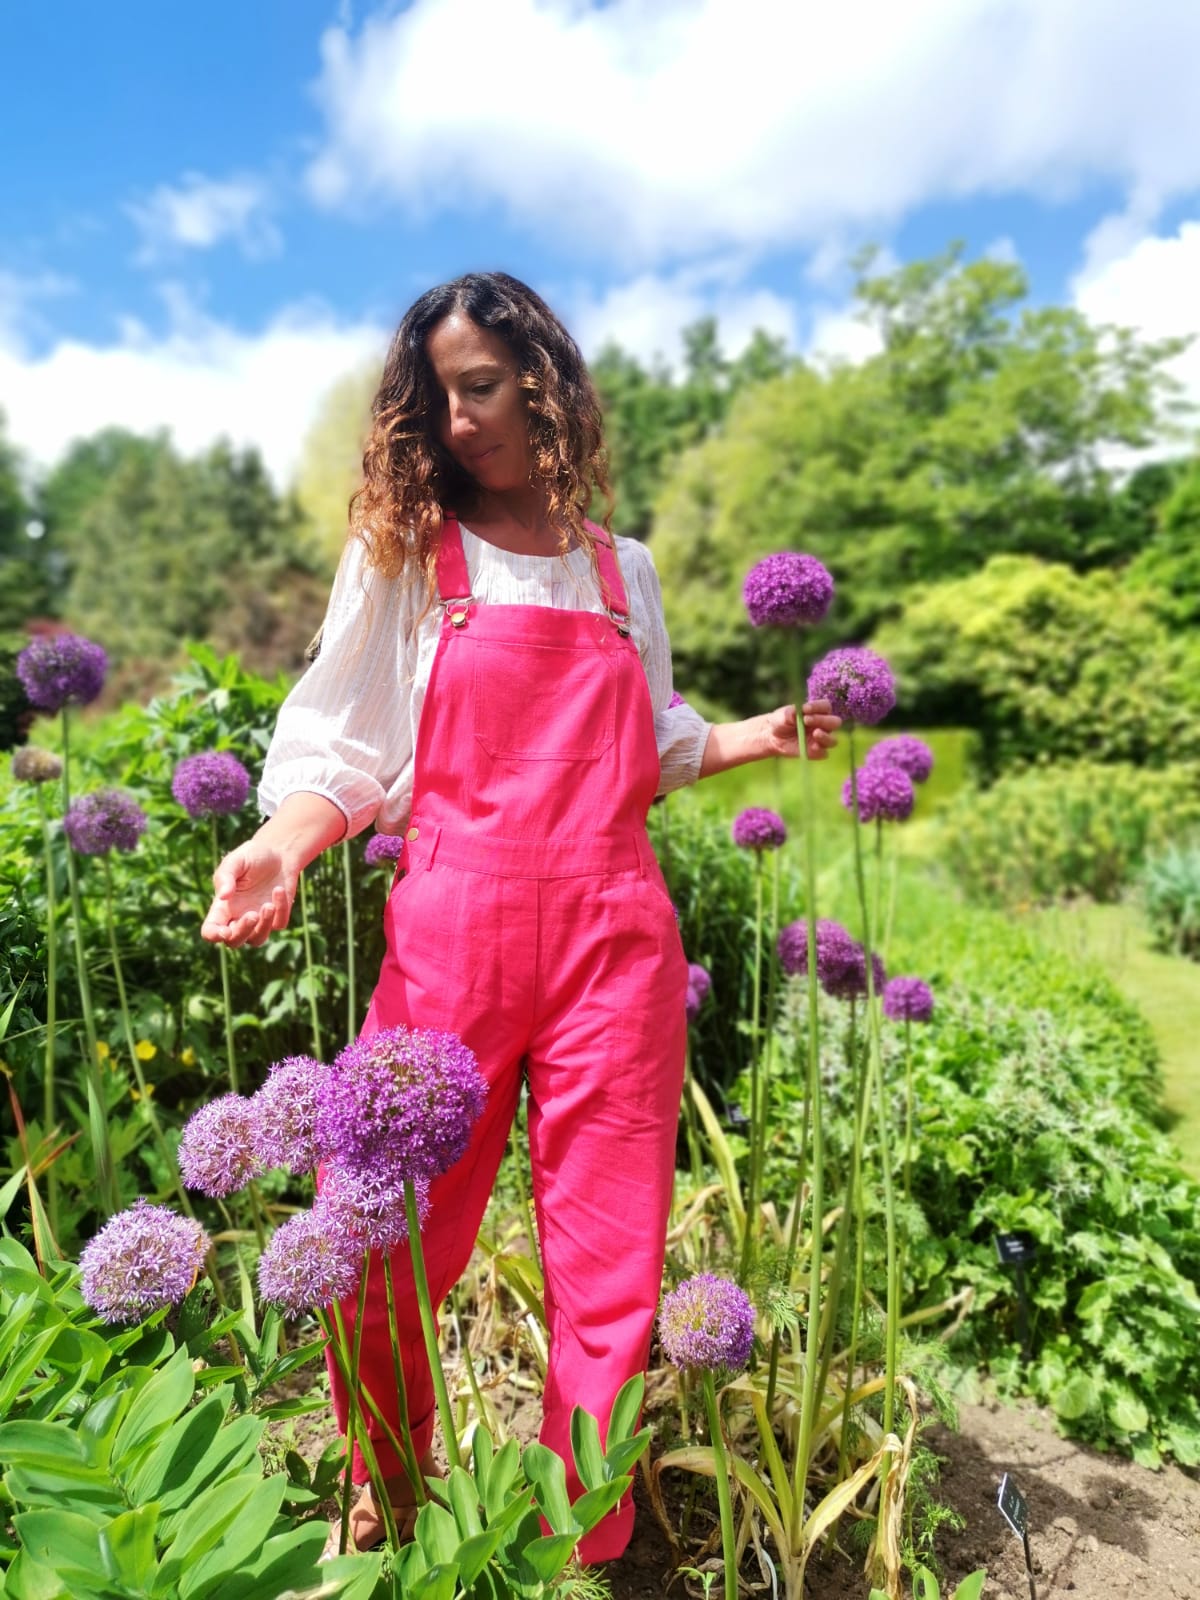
(1099, 1526)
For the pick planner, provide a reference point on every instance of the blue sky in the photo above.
(219, 210)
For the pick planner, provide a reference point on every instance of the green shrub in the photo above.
(1170, 886)
(1082, 828)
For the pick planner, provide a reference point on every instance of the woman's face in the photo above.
(483, 422)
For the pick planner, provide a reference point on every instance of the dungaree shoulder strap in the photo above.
(452, 578)
(612, 585)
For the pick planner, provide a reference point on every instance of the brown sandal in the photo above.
(367, 1530)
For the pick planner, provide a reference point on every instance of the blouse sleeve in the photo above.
(680, 731)
(344, 730)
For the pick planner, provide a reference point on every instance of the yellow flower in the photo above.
(188, 1057)
(145, 1050)
(102, 1050)
(137, 1093)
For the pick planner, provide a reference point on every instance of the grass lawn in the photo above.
(1166, 989)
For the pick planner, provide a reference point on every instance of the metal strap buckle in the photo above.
(621, 619)
(458, 609)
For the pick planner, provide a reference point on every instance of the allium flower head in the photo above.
(404, 1099)
(213, 783)
(857, 683)
(62, 670)
(906, 751)
(756, 828)
(698, 984)
(908, 1000)
(308, 1263)
(786, 590)
(106, 819)
(369, 1206)
(883, 793)
(836, 950)
(141, 1259)
(284, 1115)
(707, 1323)
(32, 765)
(383, 847)
(851, 982)
(218, 1153)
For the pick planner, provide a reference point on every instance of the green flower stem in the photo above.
(351, 981)
(106, 1173)
(808, 1402)
(472, 1380)
(147, 1100)
(875, 1061)
(852, 1208)
(908, 1108)
(223, 957)
(753, 1180)
(308, 968)
(724, 1501)
(352, 1412)
(793, 1241)
(408, 1452)
(339, 1344)
(689, 1111)
(49, 1098)
(421, 1282)
(527, 1212)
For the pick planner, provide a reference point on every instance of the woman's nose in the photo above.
(462, 424)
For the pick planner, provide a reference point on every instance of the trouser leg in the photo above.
(605, 1074)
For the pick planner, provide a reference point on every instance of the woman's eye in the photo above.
(482, 389)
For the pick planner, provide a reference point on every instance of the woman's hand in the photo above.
(253, 890)
(820, 725)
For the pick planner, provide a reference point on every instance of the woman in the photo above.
(531, 917)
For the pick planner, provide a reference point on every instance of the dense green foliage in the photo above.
(1037, 1097)
(1170, 888)
(1067, 829)
(1045, 663)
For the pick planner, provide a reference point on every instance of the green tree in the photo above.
(331, 459)
(1168, 567)
(1048, 664)
(26, 583)
(979, 428)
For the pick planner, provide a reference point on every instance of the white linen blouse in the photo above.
(348, 729)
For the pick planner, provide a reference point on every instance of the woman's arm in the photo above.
(255, 885)
(733, 744)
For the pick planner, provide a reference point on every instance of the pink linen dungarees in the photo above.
(533, 921)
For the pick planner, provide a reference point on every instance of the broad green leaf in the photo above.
(196, 1528)
(436, 1533)
(25, 1363)
(15, 1318)
(291, 1408)
(546, 1557)
(545, 1470)
(240, 1542)
(28, 1579)
(288, 1562)
(502, 1474)
(438, 1583)
(1077, 1397)
(14, 1257)
(597, 1503)
(127, 1548)
(60, 1538)
(1125, 1410)
(154, 1409)
(464, 1502)
(80, 1487)
(45, 1444)
(585, 1447)
(971, 1586)
(627, 1407)
(621, 1457)
(481, 1458)
(475, 1552)
(356, 1576)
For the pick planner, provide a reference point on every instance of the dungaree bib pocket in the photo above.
(543, 702)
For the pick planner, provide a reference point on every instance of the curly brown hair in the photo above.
(410, 479)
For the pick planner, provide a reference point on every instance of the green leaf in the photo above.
(626, 1410)
(45, 1444)
(28, 1579)
(60, 1538)
(155, 1408)
(475, 1552)
(585, 1447)
(971, 1586)
(288, 1562)
(23, 1365)
(436, 1533)
(481, 1457)
(196, 1528)
(1125, 1410)
(502, 1474)
(545, 1558)
(437, 1583)
(464, 1502)
(127, 1547)
(99, 1423)
(546, 1472)
(239, 1543)
(597, 1503)
(1079, 1396)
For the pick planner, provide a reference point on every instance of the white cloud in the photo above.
(652, 129)
(647, 314)
(202, 380)
(1151, 287)
(200, 212)
(19, 295)
(840, 334)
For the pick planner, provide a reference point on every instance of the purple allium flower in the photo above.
(218, 1153)
(908, 1000)
(106, 819)
(906, 751)
(698, 985)
(882, 792)
(756, 828)
(383, 847)
(33, 765)
(857, 683)
(369, 1206)
(309, 1263)
(141, 1259)
(284, 1113)
(837, 951)
(62, 670)
(213, 783)
(707, 1323)
(786, 590)
(851, 982)
(404, 1099)
(675, 700)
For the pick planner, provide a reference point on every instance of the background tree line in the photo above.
(968, 485)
